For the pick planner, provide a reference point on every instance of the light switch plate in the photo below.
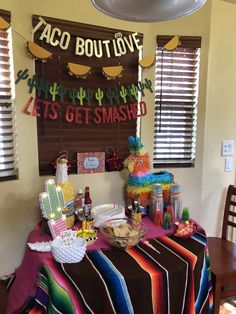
(227, 148)
(228, 164)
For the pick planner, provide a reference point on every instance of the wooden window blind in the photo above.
(56, 135)
(8, 168)
(176, 98)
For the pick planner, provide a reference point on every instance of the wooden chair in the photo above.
(223, 255)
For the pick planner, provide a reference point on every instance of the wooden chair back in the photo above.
(229, 211)
(222, 253)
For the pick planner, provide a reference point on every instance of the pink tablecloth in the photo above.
(26, 275)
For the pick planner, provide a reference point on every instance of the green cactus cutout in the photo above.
(53, 90)
(61, 91)
(22, 75)
(81, 95)
(51, 201)
(141, 88)
(99, 96)
(42, 88)
(148, 85)
(73, 93)
(32, 82)
(89, 96)
(109, 95)
(117, 95)
(129, 95)
(134, 91)
(123, 93)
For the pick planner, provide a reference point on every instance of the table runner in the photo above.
(160, 275)
(24, 283)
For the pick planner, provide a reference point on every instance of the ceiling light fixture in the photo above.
(149, 10)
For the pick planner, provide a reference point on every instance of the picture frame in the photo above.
(90, 162)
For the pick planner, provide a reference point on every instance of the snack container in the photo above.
(73, 254)
(123, 233)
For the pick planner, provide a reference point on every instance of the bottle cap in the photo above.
(157, 187)
(175, 188)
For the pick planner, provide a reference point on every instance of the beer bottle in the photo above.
(136, 210)
(87, 204)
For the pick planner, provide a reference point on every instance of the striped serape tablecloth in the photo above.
(159, 275)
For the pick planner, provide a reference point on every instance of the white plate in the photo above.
(104, 212)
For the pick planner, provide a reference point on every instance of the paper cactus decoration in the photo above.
(51, 201)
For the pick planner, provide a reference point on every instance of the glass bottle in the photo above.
(136, 210)
(170, 210)
(87, 204)
(175, 199)
(79, 204)
(156, 202)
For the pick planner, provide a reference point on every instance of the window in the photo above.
(56, 135)
(176, 98)
(7, 137)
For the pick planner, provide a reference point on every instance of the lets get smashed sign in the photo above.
(84, 115)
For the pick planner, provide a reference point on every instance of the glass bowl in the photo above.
(122, 233)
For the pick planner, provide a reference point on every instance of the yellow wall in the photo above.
(220, 113)
(19, 208)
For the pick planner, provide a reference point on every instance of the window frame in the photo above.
(7, 108)
(168, 106)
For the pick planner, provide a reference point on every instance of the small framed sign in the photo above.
(90, 162)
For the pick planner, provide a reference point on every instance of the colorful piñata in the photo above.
(140, 179)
